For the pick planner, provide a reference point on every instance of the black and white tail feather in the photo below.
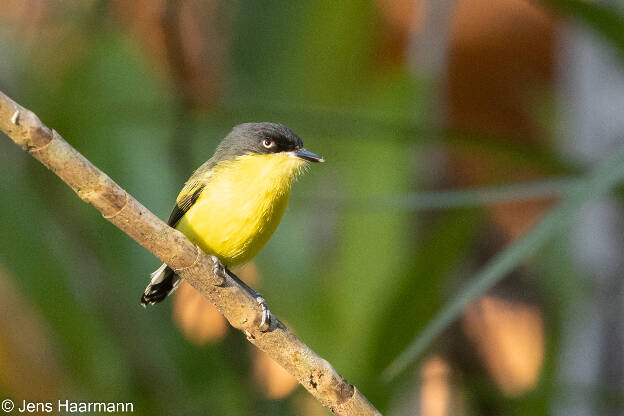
(163, 282)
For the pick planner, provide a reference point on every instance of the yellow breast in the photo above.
(241, 206)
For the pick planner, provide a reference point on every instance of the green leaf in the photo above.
(593, 185)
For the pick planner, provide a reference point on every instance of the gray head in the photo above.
(262, 138)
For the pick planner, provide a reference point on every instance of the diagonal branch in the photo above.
(172, 247)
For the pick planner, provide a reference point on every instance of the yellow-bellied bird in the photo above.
(233, 203)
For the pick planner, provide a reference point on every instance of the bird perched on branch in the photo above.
(233, 203)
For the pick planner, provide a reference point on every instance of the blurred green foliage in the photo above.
(355, 281)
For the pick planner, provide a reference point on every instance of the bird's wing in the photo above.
(191, 191)
(185, 201)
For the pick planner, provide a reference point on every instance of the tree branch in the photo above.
(172, 247)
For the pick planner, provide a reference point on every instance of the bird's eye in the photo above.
(268, 143)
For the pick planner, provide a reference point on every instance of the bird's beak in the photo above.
(309, 156)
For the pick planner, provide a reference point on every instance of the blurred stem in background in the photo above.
(183, 124)
(590, 126)
(595, 184)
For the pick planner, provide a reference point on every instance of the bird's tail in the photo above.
(163, 282)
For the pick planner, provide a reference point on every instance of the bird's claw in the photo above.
(265, 323)
(218, 268)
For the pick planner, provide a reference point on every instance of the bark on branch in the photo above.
(172, 247)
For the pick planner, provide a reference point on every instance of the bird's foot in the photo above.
(220, 270)
(265, 323)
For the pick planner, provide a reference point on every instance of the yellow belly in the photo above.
(241, 206)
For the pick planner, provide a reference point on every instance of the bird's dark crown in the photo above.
(258, 138)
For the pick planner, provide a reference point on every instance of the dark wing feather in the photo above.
(191, 191)
(185, 202)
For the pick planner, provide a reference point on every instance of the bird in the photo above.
(232, 204)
